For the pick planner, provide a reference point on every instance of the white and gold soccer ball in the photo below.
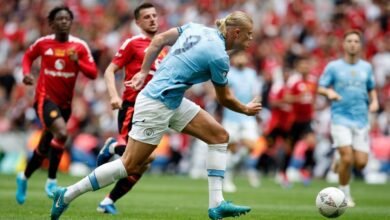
(331, 202)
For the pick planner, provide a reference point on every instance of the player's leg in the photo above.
(216, 137)
(232, 158)
(124, 185)
(248, 137)
(150, 126)
(55, 119)
(39, 154)
(342, 137)
(361, 147)
(111, 145)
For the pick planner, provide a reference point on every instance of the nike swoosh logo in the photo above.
(58, 201)
(138, 121)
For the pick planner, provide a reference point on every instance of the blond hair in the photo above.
(234, 19)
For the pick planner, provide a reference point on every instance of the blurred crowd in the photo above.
(284, 30)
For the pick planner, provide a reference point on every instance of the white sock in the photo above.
(111, 148)
(99, 178)
(106, 201)
(216, 166)
(49, 180)
(22, 176)
(346, 190)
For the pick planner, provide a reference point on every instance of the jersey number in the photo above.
(188, 44)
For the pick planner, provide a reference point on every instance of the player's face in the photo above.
(352, 44)
(62, 22)
(243, 37)
(148, 20)
(303, 66)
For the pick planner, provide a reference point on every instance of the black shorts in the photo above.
(49, 112)
(125, 118)
(299, 130)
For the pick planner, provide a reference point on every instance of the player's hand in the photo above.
(137, 81)
(28, 80)
(374, 106)
(332, 95)
(73, 55)
(253, 107)
(116, 103)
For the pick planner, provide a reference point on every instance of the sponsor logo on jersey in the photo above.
(59, 64)
(59, 73)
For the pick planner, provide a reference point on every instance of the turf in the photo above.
(178, 197)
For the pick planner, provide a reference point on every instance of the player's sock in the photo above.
(34, 163)
(119, 149)
(99, 178)
(56, 151)
(106, 201)
(216, 166)
(346, 190)
(123, 186)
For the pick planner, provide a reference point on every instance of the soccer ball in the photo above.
(331, 202)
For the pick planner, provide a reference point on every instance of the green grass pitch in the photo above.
(178, 197)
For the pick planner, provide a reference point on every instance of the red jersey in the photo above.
(305, 90)
(130, 56)
(281, 117)
(58, 73)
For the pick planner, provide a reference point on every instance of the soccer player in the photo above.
(302, 93)
(62, 57)
(198, 54)
(349, 83)
(130, 56)
(245, 85)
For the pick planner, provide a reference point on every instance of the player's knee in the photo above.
(61, 135)
(347, 160)
(359, 165)
(222, 136)
(133, 169)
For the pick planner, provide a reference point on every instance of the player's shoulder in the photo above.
(365, 63)
(335, 63)
(77, 40)
(136, 39)
(188, 26)
(44, 39)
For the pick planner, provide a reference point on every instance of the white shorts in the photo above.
(152, 119)
(243, 130)
(358, 138)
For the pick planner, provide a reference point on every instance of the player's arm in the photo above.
(329, 93)
(167, 38)
(373, 97)
(374, 104)
(85, 62)
(325, 83)
(226, 98)
(28, 58)
(109, 77)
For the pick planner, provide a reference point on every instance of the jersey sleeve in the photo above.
(371, 80)
(29, 56)
(327, 78)
(219, 69)
(182, 28)
(124, 54)
(86, 62)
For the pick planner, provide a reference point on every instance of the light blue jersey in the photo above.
(352, 82)
(198, 55)
(245, 86)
